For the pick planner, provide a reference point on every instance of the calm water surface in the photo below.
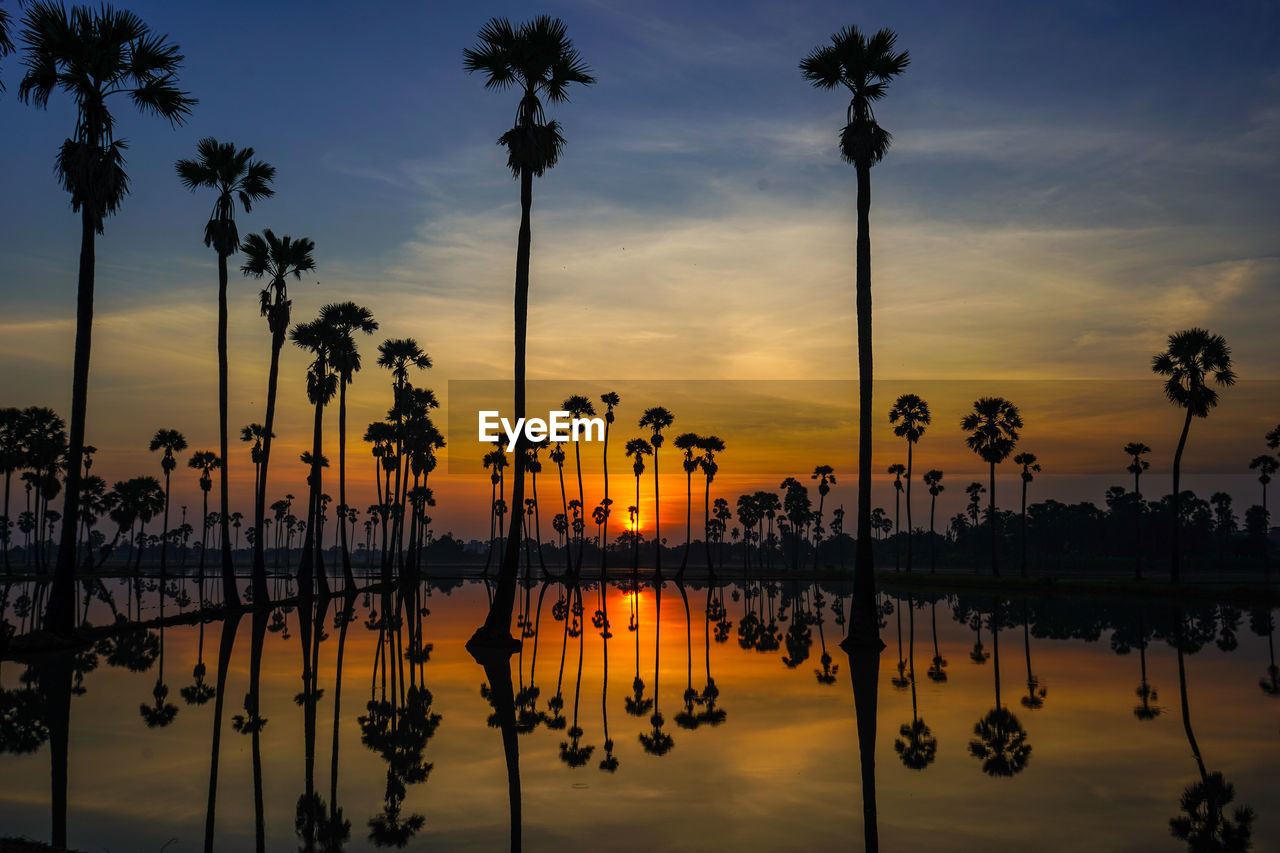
(707, 719)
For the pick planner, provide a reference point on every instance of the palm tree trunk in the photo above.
(1175, 570)
(497, 626)
(582, 506)
(688, 520)
(1024, 528)
(225, 645)
(910, 448)
(933, 542)
(1137, 526)
(864, 628)
(260, 594)
(995, 567)
(307, 566)
(60, 613)
(657, 519)
(348, 577)
(8, 533)
(864, 672)
(230, 596)
(164, 535)
(608, 508)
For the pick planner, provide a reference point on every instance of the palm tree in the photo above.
(398, 355)
(993, 431)
(275, 258)
(579, 407)
(864, 66)
(656, 419)
(825, 475)
(91, 55)
(346, 318)
(206, 462)
(235, 176)
(913, 413)
(1265, 466)
(688, 442)
(1136, 450)
(710, 445)
(897, 469)
(253, 434)
(170, 441)
(637, 449)
(1029, 469)
(319, 339)
(12, 456)
(933, 479)
(1194, 358)
(610, 400)
(538, 58)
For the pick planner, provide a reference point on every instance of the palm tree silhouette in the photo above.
(398, 355)
(345, 319)
(865, 66)
(913, 413)
(1136, 450)
(235, 176)
(275, 258)
(91, 55)
(321, 340)
(611, 400)
(637, 449)
(1265, 466)
(897, 470)
(656, 419)
(825, 475)
(1029, 469)
(688, 442)
(253, 434)
(710, 445)
(538, 58)
(1193, 359)
(933, 479)
(579, 407)
(226, 645)
(993, 431)
(170, 441)
(916, 744)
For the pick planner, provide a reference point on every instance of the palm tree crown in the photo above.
(863, 65)
(170, 441)
(993, 428)
(910, 415)
(1194, 358)
(538, 57)
(236, 176)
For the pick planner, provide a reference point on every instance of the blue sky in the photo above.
(1069, 183)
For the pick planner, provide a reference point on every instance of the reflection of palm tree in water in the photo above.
(687, 719)
(610, 761)
(337, 829)
(938, 667)
(310, 812)
(1036, 692)
(917, 747)
(1203, 823)
(528, 715)
(656, 742)
(900, 680)
(251, 722)
(562, 610)
(826, 675)
(636, 705)
(1000, 742)
(197, 692)
(1262, 623)
(572, 752)
(161, 712)
(225, 646)
(497, 671)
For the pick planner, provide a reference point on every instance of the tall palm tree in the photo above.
(993, 431)
(1030, 467)
(12, 458)
(865, 66)
(170, 441)
(710, 445)
(91, 55)
(933, 479)
(579, 407)
(637, 449)
(611, 400)
(320, 340)
(1194, 359)
(1265, 466)
(206, 462)
(825, 475)
(538, 58)
(656, 418)
(1136, 450)
(897, 469)
(910, 416)
(254, 434)
(234, 175)
(398, 355)
(345, 319)
(688, 442)
(274, 258)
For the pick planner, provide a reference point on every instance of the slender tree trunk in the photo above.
(225, 646)
(8, 532)
(348, 577)
(995, 567)
(1137, 526)
(164, 534)
(582, 506)
(657, 519)
(230, 595)
(864, 629)
(496, 630)
(688, 520)
(910, 448)
(60, 614)
(1175, 570)
(608, 510)
(1024, 528)
(933, 542)
(260, 594)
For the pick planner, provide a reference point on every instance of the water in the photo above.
(758, 745)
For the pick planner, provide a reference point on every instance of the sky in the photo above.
(1068, 184)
